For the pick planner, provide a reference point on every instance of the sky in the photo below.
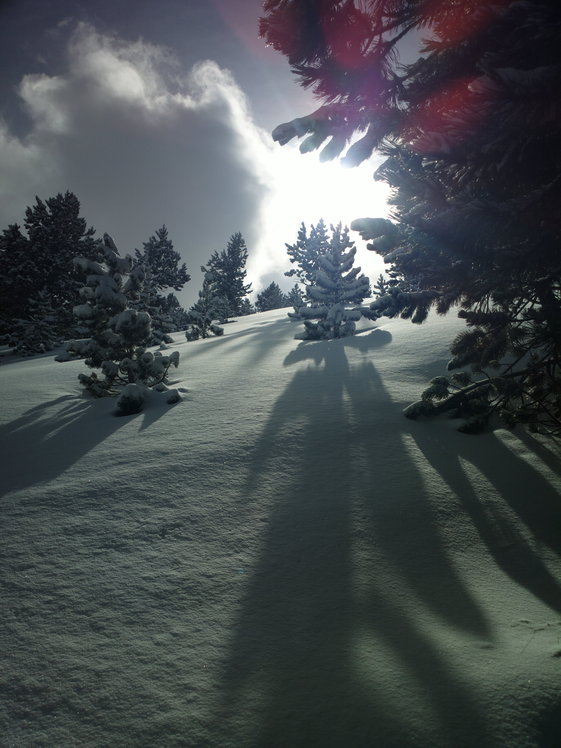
(159, 113)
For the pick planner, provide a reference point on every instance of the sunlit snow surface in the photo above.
(281, 559)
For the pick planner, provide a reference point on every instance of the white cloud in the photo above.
(42, 97)
(130, 72)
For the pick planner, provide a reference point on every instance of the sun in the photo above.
(303, 189)
(309, 189)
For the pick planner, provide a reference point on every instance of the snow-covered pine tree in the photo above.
(118, 334)
(56, 234)
(381, 286)
(229, 272)
(209, 308)
(304, 253)
(337, 290)
(271, 298)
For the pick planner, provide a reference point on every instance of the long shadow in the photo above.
(260, 334)
(9, 357)
(293, 676)
(548, 453)
(517, 485)
(49, 438)
(399, 511)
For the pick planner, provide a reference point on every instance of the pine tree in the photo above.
(151, 301)
(210, 307)
(36, 272)
(56, 235)
(306, 250)
(246, 307)
(222, 309)
(118, 334)
(160, 263)
(337, 285)
(271, 298)
(159, 256)
(381, 286)
(229, 272)
(175, 312)
(472, 139)
(295, 298)
(37, 331)
(17, 276)
(304, 254)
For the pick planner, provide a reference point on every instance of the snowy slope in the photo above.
(281, 559)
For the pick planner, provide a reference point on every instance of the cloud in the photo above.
(143, 142)
(23, 169)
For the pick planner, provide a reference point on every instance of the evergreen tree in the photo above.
(471, 135)
(160, 263)
(222, 308)
(37, 331)
(118, 334)
(36, 272)
(56, 235)
(271, 298)
(17, 276)
(210, 307)
(149, 300)
(160, 258)
(381, 287)
(229, 272)
(296, 299)
(176, 314)
(246, 307)
(305, 251)
(337, 285)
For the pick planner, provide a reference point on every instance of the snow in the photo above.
(279, 559)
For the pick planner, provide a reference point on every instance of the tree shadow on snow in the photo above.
(319, 639)
(263, 336)
(515, 484)
(49, 438)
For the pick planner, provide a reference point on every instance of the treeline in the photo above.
(40, 282)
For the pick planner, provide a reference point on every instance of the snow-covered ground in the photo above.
(281, 559)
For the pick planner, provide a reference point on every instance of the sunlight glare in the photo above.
(309, 189)
(303, 189)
